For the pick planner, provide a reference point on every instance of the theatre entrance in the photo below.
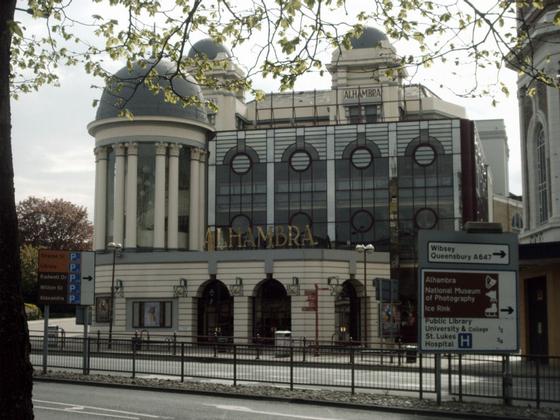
(215, 312)
(347, 313)
(271, 310)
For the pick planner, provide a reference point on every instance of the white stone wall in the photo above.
(157, 281)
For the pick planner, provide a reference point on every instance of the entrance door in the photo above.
(215, 312)
(537, 316)
(272, 310)
(347, 313)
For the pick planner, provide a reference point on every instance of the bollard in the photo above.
(507, 381)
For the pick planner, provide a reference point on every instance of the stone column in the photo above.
(173, 197)
(100, 212)
(131, 195)
(159, 204)
(118, 202)
(202, 199)
(193, 199)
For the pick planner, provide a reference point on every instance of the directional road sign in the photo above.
(468, 253)
(468, 292)
(66, 277)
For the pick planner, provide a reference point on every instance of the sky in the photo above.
(53, 152)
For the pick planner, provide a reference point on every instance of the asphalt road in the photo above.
(54, 401)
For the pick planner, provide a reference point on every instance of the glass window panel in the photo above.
(300, 161)
(424, 155)
(361, 158)
(146, 195)
(241, 163)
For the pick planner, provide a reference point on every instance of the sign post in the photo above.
(468, 292)
(66, 277)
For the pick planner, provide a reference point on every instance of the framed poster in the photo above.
(102, 308)
(152, 314)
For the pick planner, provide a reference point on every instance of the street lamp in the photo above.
(365, 249)
(115, 247)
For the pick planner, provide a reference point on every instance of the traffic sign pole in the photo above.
(45, 337)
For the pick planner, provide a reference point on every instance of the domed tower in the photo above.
(359, 76)
(151, 168)
(231, 104)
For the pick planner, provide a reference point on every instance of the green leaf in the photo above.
(15, 28)
(556, 19)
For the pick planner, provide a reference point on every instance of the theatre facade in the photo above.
(251, 220)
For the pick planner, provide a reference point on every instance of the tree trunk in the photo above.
(16, 379)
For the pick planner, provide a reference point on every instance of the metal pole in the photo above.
(45, 337)
(437, 379)
(112, 307)
(85, 344)
(316, 319)
(365, 300)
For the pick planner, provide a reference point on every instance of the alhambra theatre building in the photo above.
(258, 218)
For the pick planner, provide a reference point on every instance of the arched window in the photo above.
(541, 176)
(361, 190)
(300, 189)
(240, 188)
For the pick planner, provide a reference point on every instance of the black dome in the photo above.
(209, 48)
(369, 38)
(143, 102)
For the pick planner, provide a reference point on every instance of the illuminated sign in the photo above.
(259, 237)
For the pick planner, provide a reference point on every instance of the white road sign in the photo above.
(468, 310)
(468, 253)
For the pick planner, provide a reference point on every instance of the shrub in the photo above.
(32, 311)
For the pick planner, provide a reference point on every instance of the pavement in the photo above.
(69, 326)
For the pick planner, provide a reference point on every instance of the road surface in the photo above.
(54, 401)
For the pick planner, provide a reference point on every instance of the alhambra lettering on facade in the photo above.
(259, 237)
(373, 92)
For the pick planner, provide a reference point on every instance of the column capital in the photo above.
(174, 149)
(161, 148)
(132, 148)
(120, 149)
(195, 153)
(203, 155)
(100, 153)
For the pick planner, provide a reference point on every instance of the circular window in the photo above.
(300, 161)
(362, 221)
(361, 158)
(426, 218)
(240, 222)
(424, 155)
(300, 220)
(241, 163)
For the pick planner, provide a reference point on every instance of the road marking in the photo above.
(79, 409)
(267, 413)
(67, 410)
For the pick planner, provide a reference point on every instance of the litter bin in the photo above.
(282, 342)
(411, 353)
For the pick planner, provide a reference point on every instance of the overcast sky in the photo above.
(53, 152)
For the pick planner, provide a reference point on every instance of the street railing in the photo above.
(353, 367)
